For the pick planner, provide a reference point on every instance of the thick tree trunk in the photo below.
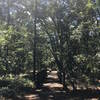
(35, 42)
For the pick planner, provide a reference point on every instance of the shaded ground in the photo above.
(52, 90)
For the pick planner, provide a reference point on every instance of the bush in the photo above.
(12, 86)
(8, 93)
(21, 84)
(2, 71)
(4, 83)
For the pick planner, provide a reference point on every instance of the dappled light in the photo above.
(49, 49)
(53, 90)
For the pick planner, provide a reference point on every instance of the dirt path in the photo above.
(52, 90)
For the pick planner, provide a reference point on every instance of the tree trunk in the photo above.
(35, 42)
(5, 57)
(8, 15)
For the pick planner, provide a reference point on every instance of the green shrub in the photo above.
(12, 86)
(21, 84)
(6, 92)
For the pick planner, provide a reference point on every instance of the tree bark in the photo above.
(35, 42)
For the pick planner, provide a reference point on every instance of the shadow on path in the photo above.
(52, 90)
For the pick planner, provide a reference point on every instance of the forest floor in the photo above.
(53, 90)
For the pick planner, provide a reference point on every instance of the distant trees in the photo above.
(33, 34)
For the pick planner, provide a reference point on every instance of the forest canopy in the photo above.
(61, 35)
